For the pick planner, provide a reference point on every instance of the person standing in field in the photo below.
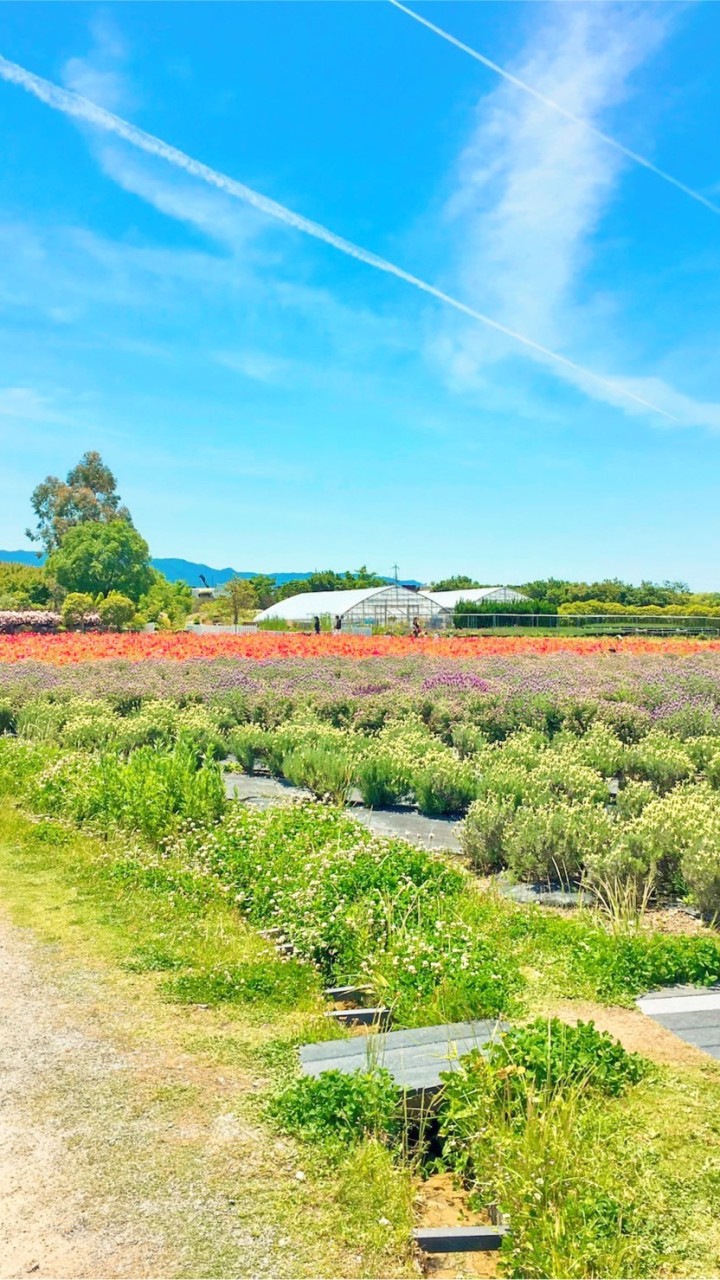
(338, 622)
(416, 629)
(316, 625)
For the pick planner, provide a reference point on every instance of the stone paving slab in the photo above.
(691, 1013)
(414, 1058)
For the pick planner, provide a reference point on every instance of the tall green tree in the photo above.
(100, 558)
(241, 595)
(265, 589)
(329, 580)
(166, 601)
(89, 494)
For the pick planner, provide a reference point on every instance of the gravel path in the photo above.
(44, 1209)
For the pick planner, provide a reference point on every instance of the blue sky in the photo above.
(271, 403)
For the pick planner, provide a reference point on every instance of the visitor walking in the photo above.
(338, 622)
(316, 625)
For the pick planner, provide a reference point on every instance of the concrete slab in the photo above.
(691, 1013)
(414, 1058)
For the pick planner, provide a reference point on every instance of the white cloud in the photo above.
(259, 366)
(100, 74)
(530, 193)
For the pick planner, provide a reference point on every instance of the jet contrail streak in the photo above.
(563, 111)
(73, 104)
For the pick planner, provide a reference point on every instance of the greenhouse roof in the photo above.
(310, 604)
(448, 599)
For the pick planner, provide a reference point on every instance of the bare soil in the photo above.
(441, 1202)
(636, 1032)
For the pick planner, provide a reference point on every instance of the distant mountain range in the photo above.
(186, 570)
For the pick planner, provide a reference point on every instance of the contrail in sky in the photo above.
(72, 104)
(563, 111)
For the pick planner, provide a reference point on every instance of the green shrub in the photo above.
(340, 1107)
(444, 789)
(76, 605)
(632, 799)
(247, 743)
(482, 834)
(659, 759)
(116, 611)
(554, 841)
(548, 1053)
(529, 1130)
(152, 792)
(7, 716)
(377, 781)
(629, 723)
(326, 773)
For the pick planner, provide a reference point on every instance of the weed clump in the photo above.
(339, 1107)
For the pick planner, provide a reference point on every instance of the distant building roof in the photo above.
(503, 595)
(310, 604)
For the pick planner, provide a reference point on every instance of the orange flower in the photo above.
(74, 647)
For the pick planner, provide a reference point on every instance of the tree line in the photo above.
(98, 566)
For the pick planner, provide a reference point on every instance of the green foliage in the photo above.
(326, 773)
(455, 583)
(440, 791)
(88, 495)
(363, 908)
(563, 1171)
(339, 1107)
(525, 1128)
(76, 606)
(23, 586)
(116, 611)
(377, 780)
(548, 1053)
(267, 981)
(552, 842)
(241, 596)
(98, 558)
(152, 792)
(166, 603)
(612, 591)
(8, 719)
(247, 744)
(329, 580)
(483, 832)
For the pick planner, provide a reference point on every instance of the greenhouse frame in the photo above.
(361, 607)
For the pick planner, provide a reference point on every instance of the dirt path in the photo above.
(44, 1210)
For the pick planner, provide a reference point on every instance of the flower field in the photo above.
(75, 647)
(569, 761)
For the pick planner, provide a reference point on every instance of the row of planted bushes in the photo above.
(446, 701)
(80, 612)
(541, 807)
(38, 620)
(358, 907)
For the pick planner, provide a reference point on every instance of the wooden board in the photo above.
(415, 1058)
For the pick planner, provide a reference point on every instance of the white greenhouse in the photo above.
(478, 595)
(361, 607)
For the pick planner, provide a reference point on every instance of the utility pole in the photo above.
(395, 570)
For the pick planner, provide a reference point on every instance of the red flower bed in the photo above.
(75, 647)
